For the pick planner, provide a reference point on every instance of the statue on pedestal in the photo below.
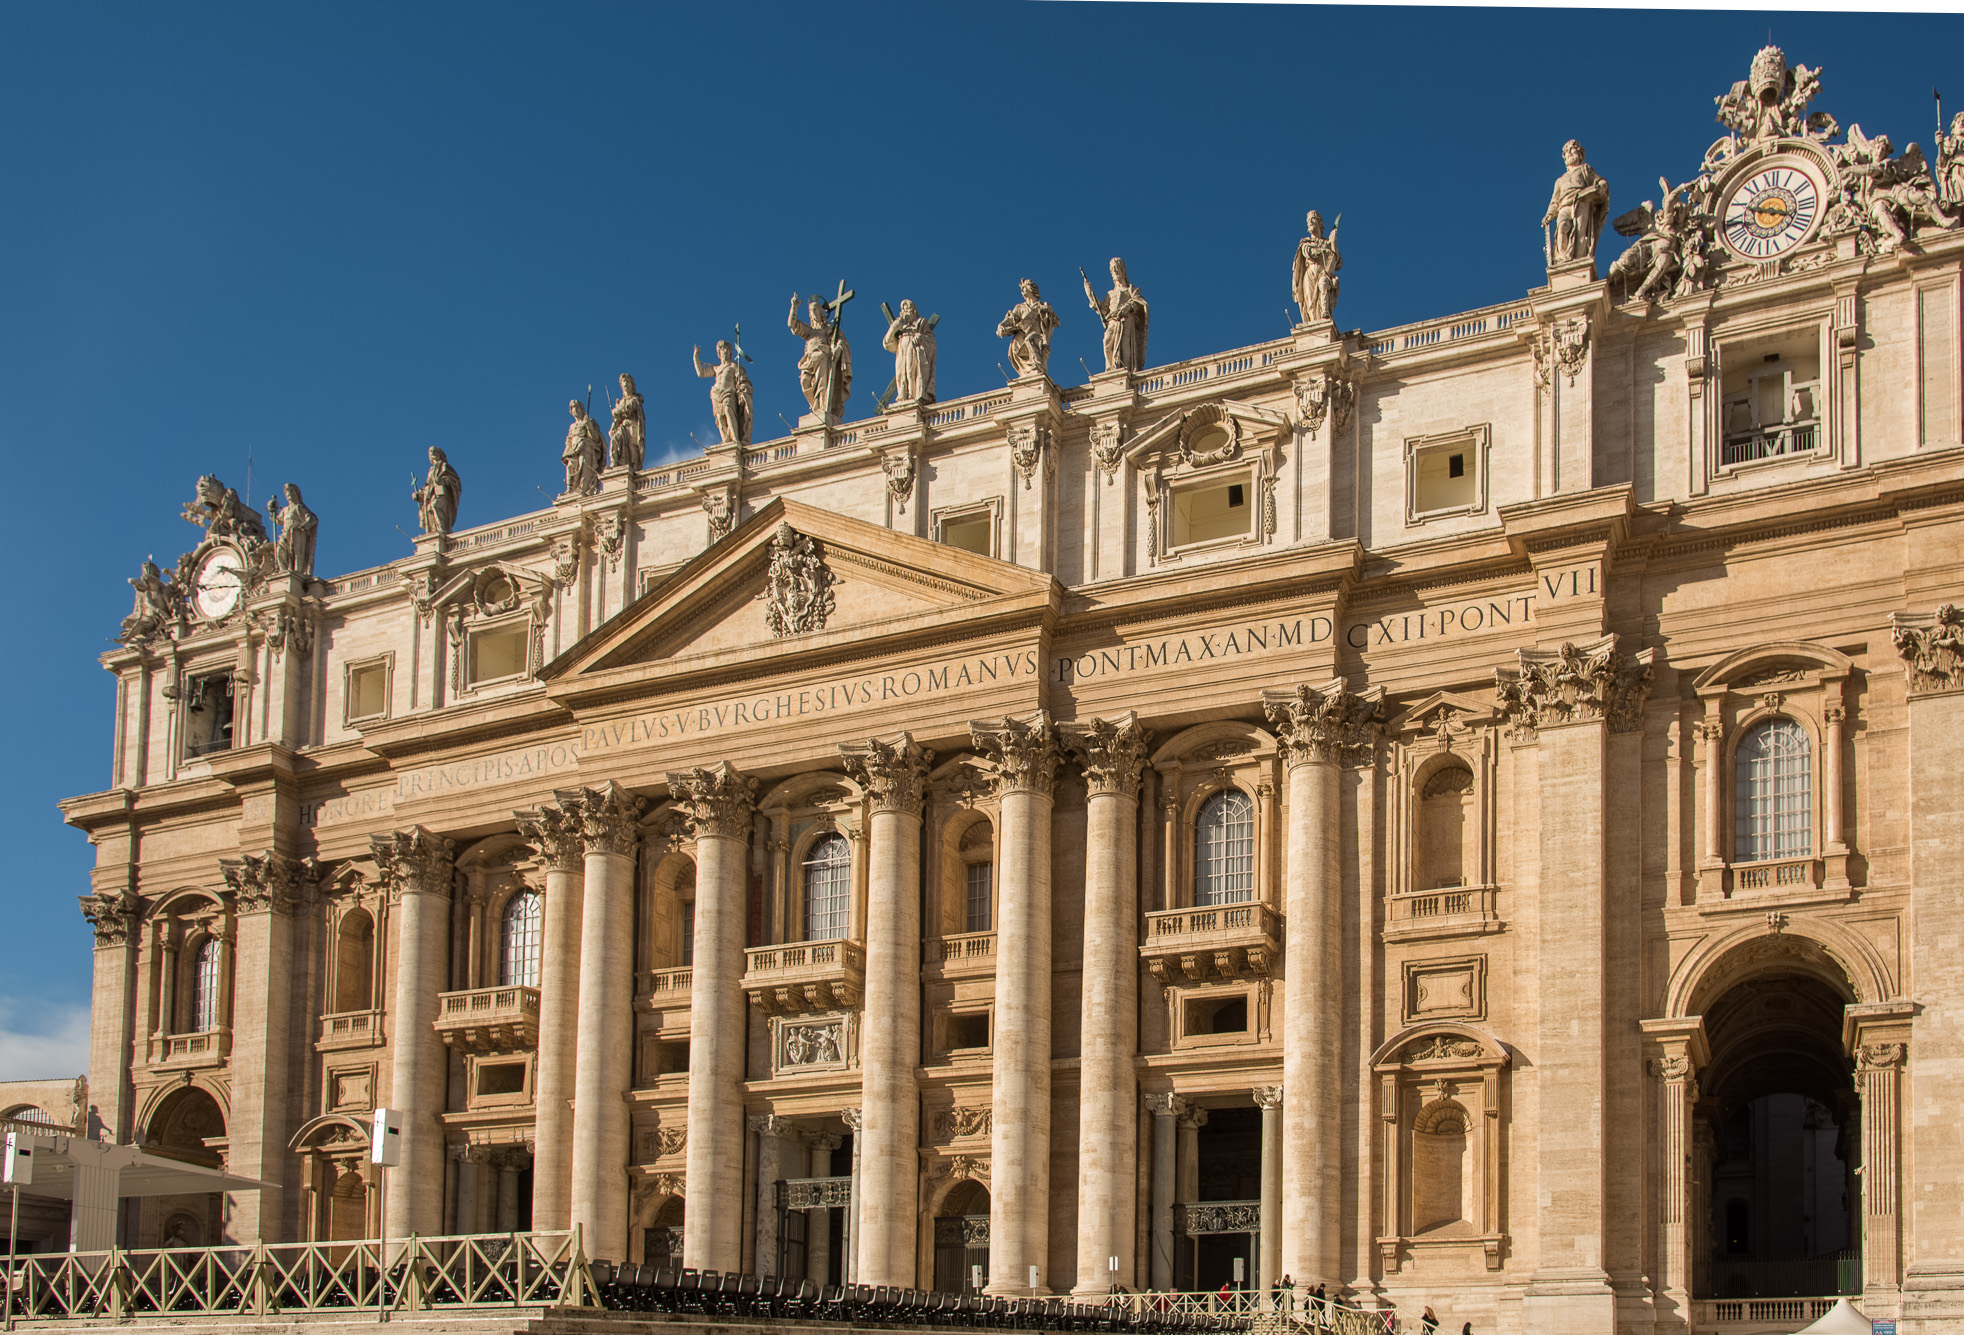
(910, 338)
(159, 603)
(825, 369)
(1028, 326)
(1950, 162)
(1577, 208)
(1314, 275)
(584, 453)
(729, 393)
(627, 433)
(1124, 315)
(437, 498)
(293, 550)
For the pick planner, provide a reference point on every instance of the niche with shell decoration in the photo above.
(1442, 1112)
(1442, 810)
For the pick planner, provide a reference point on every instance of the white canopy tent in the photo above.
(93, 1176)
(1844, 1318)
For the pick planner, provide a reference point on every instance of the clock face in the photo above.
(221, 581)
(1770, 212)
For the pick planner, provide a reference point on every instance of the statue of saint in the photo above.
(1123, 311)
(1028, 327)
(1315, 273)
(825, 370)
(293, 551)
(910, 338)
(1577, 208)
(437, 498)
(1950, 162)
(627, 433)
(729, 393)
(156, 605)
(585, 451)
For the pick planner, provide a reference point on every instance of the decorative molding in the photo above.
(113, 917)
(1574, 684)
(267, 882)
(898, 465)
(1268, 1096)
(1108, 448)
(413, 861)
(1029, 445)
(798, 585)
(1326, 724)
(1112, 751)
(555, 835)
(715, 802)
(609, 817)
(1932, 648)
(1324, 396)
(1021, 754)
(952, 1123)
(1881, 1056)
(894, 774)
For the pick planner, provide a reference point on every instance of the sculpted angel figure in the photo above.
(437, 498)
(293, 551)
(585, 451)
(1028, 327)
(1576, 208)
(1897, 194)
(1124, 314)
(910, 338)
(729, 393)
(825, 369)
(156, 607)
(1315, 273)
(627, 432)
(1655, 266)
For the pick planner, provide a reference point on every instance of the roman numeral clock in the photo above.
(1772, 207)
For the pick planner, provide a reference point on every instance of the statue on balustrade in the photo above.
(1576, 209)
(729, 393)
(627, 432)
(159, 604)
(1124, 314)
(585, 451)
(910, 338)
(293, 550)
(437, 498)
(1028, 327)
(825, 369)
(1315, 272)
(1950, 161)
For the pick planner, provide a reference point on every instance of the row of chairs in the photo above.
(642, 1288)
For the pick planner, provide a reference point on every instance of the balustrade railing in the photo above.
(1468, 324)
(814, 1193)
(805, 976)
(1414, 912)
(500, 1018)
(351, 1029)
(665, 985)
(957, 948)
(1789, 874)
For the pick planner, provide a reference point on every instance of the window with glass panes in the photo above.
(518, 954)
(204, 987)
(828, 889)
(977, 899)
(1224, 850)
(1773, 795)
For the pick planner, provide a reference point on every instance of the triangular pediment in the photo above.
(1446, 712)
(721, 604)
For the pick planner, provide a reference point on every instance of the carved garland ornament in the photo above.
(1022, 754)
(1932, 647)
(899, 468)
(1113, 752)
(1107, 440)
(894, 774)
(798, 586)
(1327, 724)
(716, 802)
(951, 1123)
(1574, 684)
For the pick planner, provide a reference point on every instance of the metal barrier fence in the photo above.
(421, 1274)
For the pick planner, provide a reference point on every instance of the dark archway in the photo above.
(961, 1238)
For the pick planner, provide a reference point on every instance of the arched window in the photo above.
(1224, 850)
(204, 987)
(1772, 797)
(1445, 820)
(1440, 1166)
(518, 949)
(828, 889)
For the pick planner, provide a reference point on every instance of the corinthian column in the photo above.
(1318, 728)
(1024, 756)
(718, 804)
(554, 833)
(894, 776)
(416, 870)
(1269, 1246)
(266, 889)
(609, 832)
(1113, 754)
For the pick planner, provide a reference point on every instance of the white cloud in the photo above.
(40, 1041)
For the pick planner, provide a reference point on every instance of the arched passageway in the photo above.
(961, 1239)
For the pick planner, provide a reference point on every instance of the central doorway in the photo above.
(961, 1239)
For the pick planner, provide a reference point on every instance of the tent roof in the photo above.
(138, 1172)
(1841, 1319)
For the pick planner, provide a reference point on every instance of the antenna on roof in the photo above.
(698, 444)
(1087, 370)
(1007, 378)
(787, 424)
(247, 493)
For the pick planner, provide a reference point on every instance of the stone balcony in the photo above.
(665, 987)
(190, 1052)
(490, 1019)
(1221, 941)
(805, 976)
(961, 955)
(349, 1029)
(1449, 910)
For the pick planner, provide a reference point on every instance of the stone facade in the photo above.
(1399, 808)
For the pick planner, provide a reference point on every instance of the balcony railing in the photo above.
(350, 1029)
(666, 987)
(962, 955)
(1226, 940)
(490, 1019)
(814, 1193)
(207, 1047)
(805, 976)
(1449, 910)
(1786, 874)
(1789, 1313)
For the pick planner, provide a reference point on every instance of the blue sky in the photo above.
(335, 235)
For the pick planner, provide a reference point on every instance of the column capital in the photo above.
(1021, 753)
(770, 1124)
(413, 861)
(554, 834)
(1112, 751)
(1932, 648)
(1881, 1056)
(267, 882)
(114, 917)
(609, 817)
(894, 774)
(1268, 1096)
(853, 1119)
(715, 802)
(1166, 1105)
(1575, 684)
(1328, 724)
(824, 1140)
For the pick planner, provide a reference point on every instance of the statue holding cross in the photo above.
(825, 371)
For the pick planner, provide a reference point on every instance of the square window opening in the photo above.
(1212, 513)
(972, 533)
(497, 654)
(368, 691)
(968, 1030)
(1771, 390)
(1217, 1015)
(1444, 479)
(495, 1078)
(672, 1057)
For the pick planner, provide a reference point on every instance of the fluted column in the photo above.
(1878, 1075)
(1023, 756)
(1318, 727)
(1165, 1110)
(554, 833)
(266, 890)
(1680, 1049)
(894, 776)
(1113, 753)
(1269, 1099)
(415, 866)
(719, 804)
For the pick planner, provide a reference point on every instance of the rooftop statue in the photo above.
(1668, 257)
(1771, 101)
(1893, 196)
(293, 550)
(1123, 311)
(159, 604)
(1028, 327)
(585, 452)
(910, 338)
(1950, 162)
(1315, 273)
(220, 512)
(627, 432)
(825, 369)
(1576, 208)
(437, 498)
(729, 393)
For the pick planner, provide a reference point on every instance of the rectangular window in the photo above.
(368, 691)
(968, 1031)
(971, 532)
(979, 897)
(208, 715)
(1446, 474)
(1772, 397)
(496, 654)
(501, 1078)
(688, 933)
(1212, 512)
